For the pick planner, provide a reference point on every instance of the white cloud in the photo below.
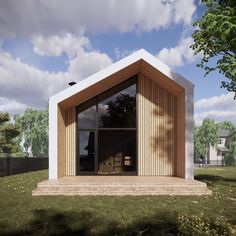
(122, 53)
(27, 84)
(27, 18)
(218, 108)
(81, 63)
(184, 10)
(55, 45)
(21, 83)
(47, 23)
(224, 101)
(178, 55)
(12, 107)
(87, 63)
(216, 115)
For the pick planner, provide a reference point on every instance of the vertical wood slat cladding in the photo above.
(156, 129)
(70, 141)
(61, 142)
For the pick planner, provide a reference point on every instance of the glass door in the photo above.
(86, 157)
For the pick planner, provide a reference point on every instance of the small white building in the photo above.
(217, 154)
(132, 120)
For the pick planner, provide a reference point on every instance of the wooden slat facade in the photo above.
(70, 141)
(101, 86)
(160, 128)
(61, 142)
(156, 129)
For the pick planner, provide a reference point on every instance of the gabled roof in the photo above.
(223, 133)
(222, 149)
(140, 61)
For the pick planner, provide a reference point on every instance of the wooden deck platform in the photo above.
(120, 186)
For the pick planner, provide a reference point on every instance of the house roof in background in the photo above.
(223, 133)
(223, 149)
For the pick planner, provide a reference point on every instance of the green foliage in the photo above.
(34, 130)
(8, 134)
(3, 155)
(4, 117)
(233, 135)
(199, 225)
(204, 136)
(228, 125)
(215, 37)
(230, 158)
(23, 214)
(120, 111)
(20, 154)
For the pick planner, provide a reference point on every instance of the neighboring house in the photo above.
(134, 118)
(217, 154)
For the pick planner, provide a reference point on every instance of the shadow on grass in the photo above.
(50, 222)
(214, 178)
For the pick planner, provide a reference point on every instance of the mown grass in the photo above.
(22, 214)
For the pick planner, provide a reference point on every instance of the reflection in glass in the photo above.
(87, 115)
(115, 146)
(111, 118)
(86, 151)
(118, 110)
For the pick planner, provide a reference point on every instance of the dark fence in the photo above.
(16, 165)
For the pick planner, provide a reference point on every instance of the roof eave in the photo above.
(127, 61)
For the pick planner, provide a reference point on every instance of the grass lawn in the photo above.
(22, 214)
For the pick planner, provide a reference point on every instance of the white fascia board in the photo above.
(189, 123)
(166, 70)
(139, 55)
(53, 135)
(85, 83)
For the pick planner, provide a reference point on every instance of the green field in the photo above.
(22, 214)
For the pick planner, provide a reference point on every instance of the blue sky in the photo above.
(45, 44)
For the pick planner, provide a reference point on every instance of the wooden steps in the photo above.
(120, 186)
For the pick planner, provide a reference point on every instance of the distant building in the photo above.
(216, 155)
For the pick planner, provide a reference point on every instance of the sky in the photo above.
(44, 44)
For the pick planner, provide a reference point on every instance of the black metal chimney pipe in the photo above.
(72, 83)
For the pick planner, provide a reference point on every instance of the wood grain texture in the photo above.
(102, 86)
(165, 82)
(121, 186)
(61, 142)
(70, 141)
(156, 129)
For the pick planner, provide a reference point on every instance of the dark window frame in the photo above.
(98, 98)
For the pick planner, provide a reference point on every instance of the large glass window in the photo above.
(87, 115)
(107, 131)
(118, 110)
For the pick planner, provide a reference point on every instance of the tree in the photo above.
(8, 133)
(233, 135)
(226, 125)
(215, 37)
(231, 155)
(204, 136)
(34, 131)
(121, 112)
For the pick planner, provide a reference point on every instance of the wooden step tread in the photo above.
(121, 186)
